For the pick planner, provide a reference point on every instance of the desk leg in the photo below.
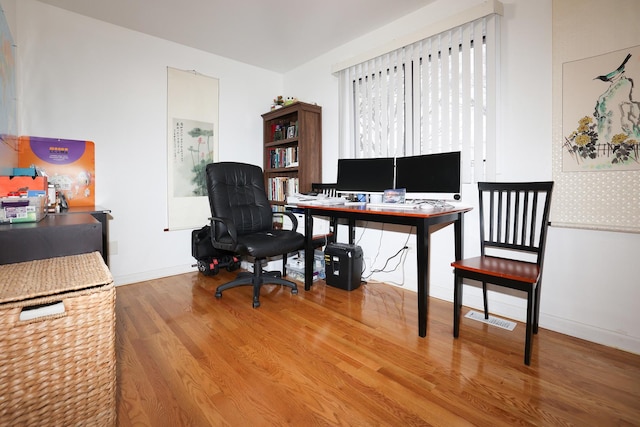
(458, 229)
(308, 250)
(102, 217)
(352, 231)
(423, 242)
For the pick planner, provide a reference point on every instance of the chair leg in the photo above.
(257, 283)
(272, 277)
(242, 278)
(536, 313)
(457, 304)
(529, 326)
(484, 296)
(284, 265)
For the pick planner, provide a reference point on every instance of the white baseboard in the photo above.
(152, 275)
(472, 298)
(590, 333)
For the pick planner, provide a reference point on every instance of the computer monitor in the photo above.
(365, 175)
(430, 176)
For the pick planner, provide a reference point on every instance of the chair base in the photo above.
(257, 279)
(533, 307)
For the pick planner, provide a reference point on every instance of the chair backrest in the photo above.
(236, 191)
(328, 190)
(514, 218)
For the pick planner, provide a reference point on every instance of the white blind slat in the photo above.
(479, 101)
(426, 140)
(414, 138)
(400, 102)
(465, 104)
(445, 102)
(492, 33)
(435, 97)
(456, 136)
(385, 88)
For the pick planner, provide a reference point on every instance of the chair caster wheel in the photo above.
(294, 292)
(218, 294)
(256, 304)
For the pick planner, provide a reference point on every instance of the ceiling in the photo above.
(277, 35)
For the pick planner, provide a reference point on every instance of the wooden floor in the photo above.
(330, 357)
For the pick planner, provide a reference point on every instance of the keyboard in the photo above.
(404, 206)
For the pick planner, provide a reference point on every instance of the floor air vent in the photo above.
(495, 321)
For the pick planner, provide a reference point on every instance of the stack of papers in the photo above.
(393, 205)
(300, 198)
(329, 201)
(320, 199)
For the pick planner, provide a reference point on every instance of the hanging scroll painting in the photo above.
(192, 141)
(601, 112)
(192, 152)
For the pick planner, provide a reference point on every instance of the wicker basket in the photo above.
(58, 368)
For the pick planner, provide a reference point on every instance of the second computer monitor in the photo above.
(365, 175)
(430, 176)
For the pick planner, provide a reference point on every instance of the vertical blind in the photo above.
(435, 95)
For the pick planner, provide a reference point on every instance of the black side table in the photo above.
(99, 213)
(53, 236)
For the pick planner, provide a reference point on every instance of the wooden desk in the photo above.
(425, 221)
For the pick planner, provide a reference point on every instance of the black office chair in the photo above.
(242, 222)
(513, 219)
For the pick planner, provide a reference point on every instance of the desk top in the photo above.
(51, 220)
(433, 211)
(81, 209)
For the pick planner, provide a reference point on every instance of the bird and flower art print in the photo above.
(601, 112)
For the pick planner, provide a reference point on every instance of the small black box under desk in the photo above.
(343, 265)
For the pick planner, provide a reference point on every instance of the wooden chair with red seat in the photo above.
(514, 218)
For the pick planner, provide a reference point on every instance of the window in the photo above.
(435, 95)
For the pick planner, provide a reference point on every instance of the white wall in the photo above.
(85, 79)
(590, 285)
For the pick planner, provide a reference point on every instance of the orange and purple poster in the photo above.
(69, 165)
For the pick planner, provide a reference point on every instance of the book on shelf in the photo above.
(283, 157)
(281, 186)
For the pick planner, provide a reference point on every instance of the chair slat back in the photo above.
(328, 190)
(514, 216)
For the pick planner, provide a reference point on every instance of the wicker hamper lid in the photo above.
(26, 280)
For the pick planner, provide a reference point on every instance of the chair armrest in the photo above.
(292, 217)
(230, 227)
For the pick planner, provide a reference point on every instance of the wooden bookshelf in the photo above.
(292, 150)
